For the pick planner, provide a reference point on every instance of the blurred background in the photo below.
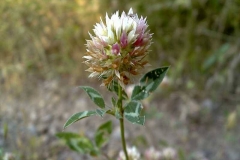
(196, 110)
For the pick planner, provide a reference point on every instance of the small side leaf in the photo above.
(132, 112)
(78, 116)
(77, 142)
(94, 95)
(149, 83)
(103, 133)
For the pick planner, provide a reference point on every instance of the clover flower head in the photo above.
(133, 154)
(118, 48)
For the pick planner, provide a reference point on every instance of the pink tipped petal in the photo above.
(139, 41)
(115, 49)
(124, 39)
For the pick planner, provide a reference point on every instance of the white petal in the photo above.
(117, 73)
(105, 38)
(118, 31)
(90, 35)
(89, 70)
(107, 20)
(124, 24)
(131, 36)
(87, 57)
(110, 37)
(93, 74)
(130, 11)
(101, 22)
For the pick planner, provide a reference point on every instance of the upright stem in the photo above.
(122, 121)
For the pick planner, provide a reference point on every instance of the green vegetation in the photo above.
(46, 38)
(43, 38)
(200, 39)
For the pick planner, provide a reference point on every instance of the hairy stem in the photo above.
(122, 121)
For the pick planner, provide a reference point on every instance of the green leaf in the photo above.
(114, 102)
(116, 109)
(114, 87)
(103, 133)
(152, 79)
(77, 142)
(139, 93)
(149, 83)
(94, 95)
(101, 112)
(78, 116)
(132, 112)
